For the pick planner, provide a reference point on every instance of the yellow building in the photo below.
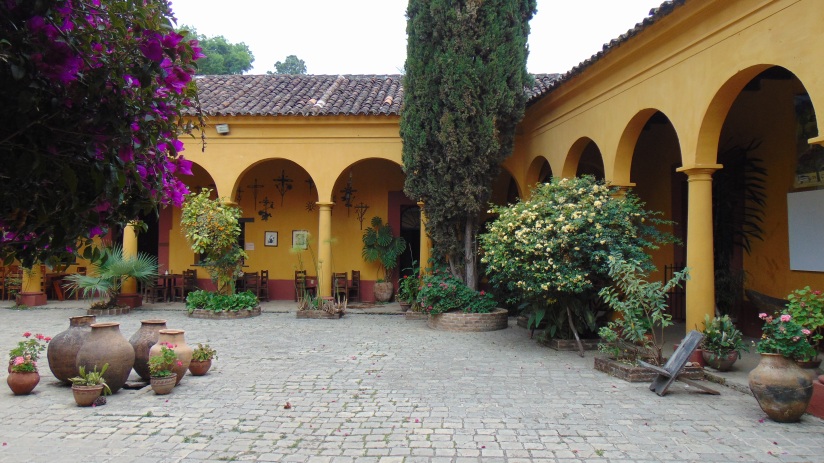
(661, 110)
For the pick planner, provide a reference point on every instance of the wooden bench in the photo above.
(671, 371)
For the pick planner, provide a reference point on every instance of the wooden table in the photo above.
(169, 280)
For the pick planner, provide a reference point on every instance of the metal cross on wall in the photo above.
(285, 184)
(239, 194)
(361, 211)
(348, 194)
(255, 187)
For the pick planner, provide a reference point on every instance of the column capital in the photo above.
(227, 202)
(700, 170)
(325, 205)
(816, 141)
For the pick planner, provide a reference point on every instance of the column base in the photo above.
(131, 299)
(31, 299)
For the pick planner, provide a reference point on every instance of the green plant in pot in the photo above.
(408, 288)
(88, 386)
(723, 343)
(202, 357)
(381, 246)
(110, 268)
(161, 369)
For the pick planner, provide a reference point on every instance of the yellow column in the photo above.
(426, 243)
(701, 285)
(325, 248)
(129, 250)
(31, 291)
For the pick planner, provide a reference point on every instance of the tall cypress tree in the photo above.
(463, 96)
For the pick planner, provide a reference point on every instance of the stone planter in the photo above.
(123, 310)
(415, 315)
(782, 389)
(64, 346)
(571, 344)
(383, 291)
(405, 306)
(225, 315)
(142, 340)
(317, 314)
(635, 374)
(105, 345)
(498, 319)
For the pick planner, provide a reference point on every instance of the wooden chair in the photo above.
(2, 283)
(187, 284)
(354, 287)
(251, 282)
(263, 295)
(340, 286)
(300, 284)
(155, 291)
(672, 370)
(79, 271)
(13, 281)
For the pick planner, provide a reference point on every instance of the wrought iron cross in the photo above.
(348, 194)
(239, 194)
(361, 211)
(285, 184)
(255, 187)
(267, 206)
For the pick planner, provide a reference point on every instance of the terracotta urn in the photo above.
(723, 362)
(107, 345)
(64, 346)
(162, 385)
(200, 367)
(142, 340)
(177, 340)
(22, 383)
(782, 389)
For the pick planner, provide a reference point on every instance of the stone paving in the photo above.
(379, 388)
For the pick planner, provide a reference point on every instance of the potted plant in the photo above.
(23, 375)
(806, 306)
(202, 359)
(161, 368)
(110, 268)
(381, 246)
(783, 390)
(88, 386)
(408, 288)
(723, 343)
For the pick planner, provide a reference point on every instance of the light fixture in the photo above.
(222, 129)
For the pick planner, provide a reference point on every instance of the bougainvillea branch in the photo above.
(92, 93)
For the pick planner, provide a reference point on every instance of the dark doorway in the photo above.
(148, 241)
(411, 232)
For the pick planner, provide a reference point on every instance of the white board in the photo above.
(805, 214)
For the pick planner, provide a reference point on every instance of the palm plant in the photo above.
(110, 270)
(381, 246)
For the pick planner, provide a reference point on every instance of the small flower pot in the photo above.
(86, 395)
(162, 385)
(199, 368)
(22, 383)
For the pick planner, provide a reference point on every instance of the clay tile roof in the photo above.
(655, 15)
(303, 95)
(314, 95)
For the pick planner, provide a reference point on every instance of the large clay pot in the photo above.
(107, 345)
(142, 340)
(184, 352)
(64, 346)
(383, 291)
(722, 362)
(23, 383)
(783, 390)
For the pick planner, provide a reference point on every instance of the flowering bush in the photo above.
(23, 358)
(211, 227)
(410, 285)
(161, 365)
(807, 309)
(93, 97)
(556, 244)
(784, 336)
(442, 292)
(203, 352)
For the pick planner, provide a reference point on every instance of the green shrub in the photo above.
(215, 302)
(442, 292)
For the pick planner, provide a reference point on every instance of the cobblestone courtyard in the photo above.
(371, 388)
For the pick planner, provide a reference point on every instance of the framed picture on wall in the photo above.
(300, 239)
(270, 238)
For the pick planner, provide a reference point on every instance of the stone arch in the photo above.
(622, 165)
(539, 171)
(238, 189)
(506, 188)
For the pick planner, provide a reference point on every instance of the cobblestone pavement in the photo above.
(379, 388)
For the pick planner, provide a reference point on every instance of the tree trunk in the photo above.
(469, 254)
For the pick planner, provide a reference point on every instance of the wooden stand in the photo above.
(673, 368)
